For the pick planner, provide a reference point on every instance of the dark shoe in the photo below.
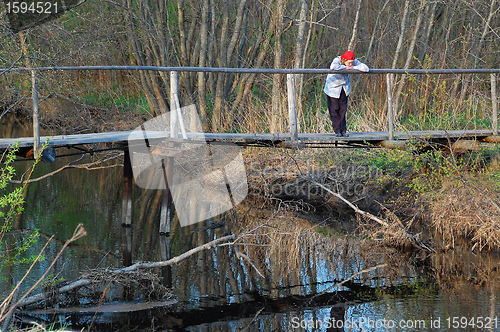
(339, 135)
(345, 134)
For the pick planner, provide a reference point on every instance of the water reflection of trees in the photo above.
(281, 255)
(295, 258)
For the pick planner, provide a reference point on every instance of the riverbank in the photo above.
(449, 200)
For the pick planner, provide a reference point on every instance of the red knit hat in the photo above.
(348, 56)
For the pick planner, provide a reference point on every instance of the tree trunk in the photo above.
(486, 28)
(230, 82)
(219, 89)
(248, 79)
(401, 35)
(352, 43)
(300, 54)
(425, 42)
(409, 57)
(202, 92)
(275, 125)
(372, 39)
(140, 59)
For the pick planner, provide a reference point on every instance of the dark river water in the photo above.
(218, 290)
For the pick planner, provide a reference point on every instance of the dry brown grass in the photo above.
(468, 208)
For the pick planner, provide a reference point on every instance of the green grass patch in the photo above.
(124, 102)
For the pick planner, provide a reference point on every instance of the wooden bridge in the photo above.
(293, 138)
(303, 140)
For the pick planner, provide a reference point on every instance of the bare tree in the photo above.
(300, 52)
(202, 63)
(375, 30)
(409, 55)
(352, 43)
(276, 113)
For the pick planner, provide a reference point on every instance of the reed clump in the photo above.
(454, 197)
(468, 208)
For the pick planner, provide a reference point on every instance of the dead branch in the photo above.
(351, 277)
(140, 265)
(394, 229)
(352, 206)
(206, 246)
(88, 166)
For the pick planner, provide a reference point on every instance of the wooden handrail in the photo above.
(262, 70)
(292, 111)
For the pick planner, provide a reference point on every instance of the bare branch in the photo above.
(88, 166)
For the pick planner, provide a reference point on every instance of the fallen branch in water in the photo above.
(209, 245)
(140, 265)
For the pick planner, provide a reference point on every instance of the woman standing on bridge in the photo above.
(338, 88)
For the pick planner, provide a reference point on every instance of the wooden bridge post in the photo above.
(494, 104)
(127, 190)
(36, 115)
(174, 92)
(292, 106)
(167, 164)
(390, 112)
(166, 215)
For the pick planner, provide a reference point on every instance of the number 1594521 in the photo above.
(37, 7)
(474, 322)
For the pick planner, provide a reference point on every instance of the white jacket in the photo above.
(335, 82)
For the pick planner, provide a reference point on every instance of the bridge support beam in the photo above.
(494, 104)
(390, 112)
(292, 106)
(36, 115)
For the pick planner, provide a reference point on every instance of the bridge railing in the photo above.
(291, 91)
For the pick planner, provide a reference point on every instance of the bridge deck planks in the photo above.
(125, 136)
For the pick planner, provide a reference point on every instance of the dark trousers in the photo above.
(337, 107)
